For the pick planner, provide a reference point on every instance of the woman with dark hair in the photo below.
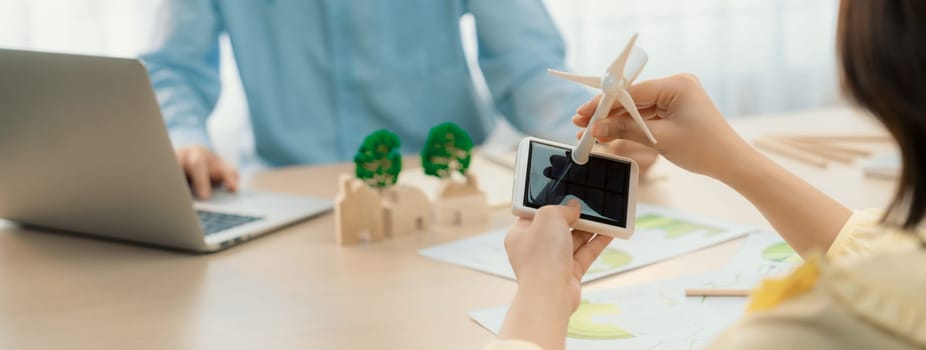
(864, 272)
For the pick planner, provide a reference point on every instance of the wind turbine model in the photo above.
(614, 85)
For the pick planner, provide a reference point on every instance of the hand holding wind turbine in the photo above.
(614, 85)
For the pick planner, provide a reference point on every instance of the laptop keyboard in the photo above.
(214, 222)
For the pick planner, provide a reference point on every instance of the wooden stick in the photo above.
(789, 152)
(846, 138)
(830, 145)
(818, 149)
(717, 292)
(882, 174)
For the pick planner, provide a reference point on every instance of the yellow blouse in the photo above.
(869, 293)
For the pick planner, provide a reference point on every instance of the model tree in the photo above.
(378, 161)
(448, 149)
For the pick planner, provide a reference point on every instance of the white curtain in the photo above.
(106, 27)
(753, 56)
(122, 28)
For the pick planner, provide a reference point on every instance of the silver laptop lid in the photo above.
(83, 148)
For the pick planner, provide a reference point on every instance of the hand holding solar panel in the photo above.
(550, 173)
(604, 185)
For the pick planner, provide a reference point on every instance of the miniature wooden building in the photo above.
(461, 203)
(405, 210)
(358, 213)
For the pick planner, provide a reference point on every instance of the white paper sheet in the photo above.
(763, 255)
(658, 315)
(660, 234)
(653, 316)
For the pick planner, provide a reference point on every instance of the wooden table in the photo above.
(298, 289)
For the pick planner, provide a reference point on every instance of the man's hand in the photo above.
(203, 168)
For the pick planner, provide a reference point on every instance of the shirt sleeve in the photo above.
(518, 42)
(863, 235)
(845, 309)
(807, 322)
(183, 64)
(512, 345)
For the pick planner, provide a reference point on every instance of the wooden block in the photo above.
(461, 203)
(406, 210)
(495, 181)
(358, 212)
(465, 210)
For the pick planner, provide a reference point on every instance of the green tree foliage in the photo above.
(448, 149)
(378, 161)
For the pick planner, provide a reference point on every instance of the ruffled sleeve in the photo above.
(872, 303)
(863, 235)
(884, 291)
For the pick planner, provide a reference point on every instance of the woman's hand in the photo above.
(644, 156)
(549, 260)
(547, 255)
(690, 131)
(693, 134)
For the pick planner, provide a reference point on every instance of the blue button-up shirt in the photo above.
(321, 74)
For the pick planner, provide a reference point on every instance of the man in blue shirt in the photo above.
(321, 74)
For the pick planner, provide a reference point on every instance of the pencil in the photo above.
(717, 292)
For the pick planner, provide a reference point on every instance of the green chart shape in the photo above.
(610, 259)
(583, 324)
(674, 228)
(782, 253)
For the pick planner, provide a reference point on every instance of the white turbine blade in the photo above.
(594, 82)
(635, 64)
(624, 98)
(617, 68)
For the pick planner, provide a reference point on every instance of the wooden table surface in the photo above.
(298, 289)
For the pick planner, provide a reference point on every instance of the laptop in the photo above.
(84, 149)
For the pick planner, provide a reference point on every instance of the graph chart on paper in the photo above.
(660, 234)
